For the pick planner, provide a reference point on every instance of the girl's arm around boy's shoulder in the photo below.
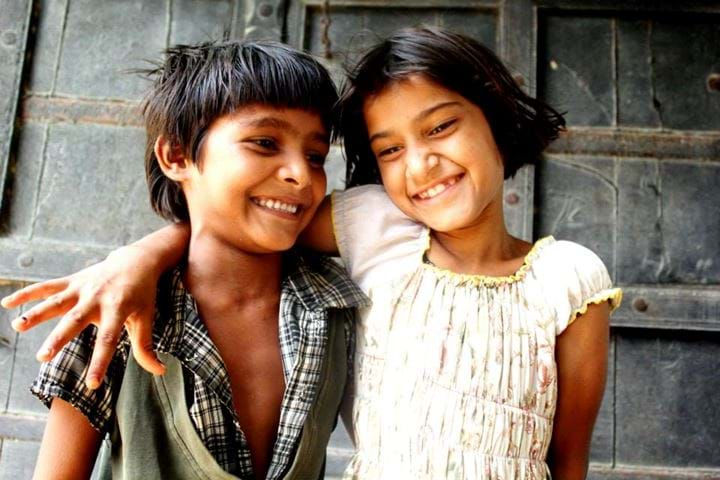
(339, 213)
(363, 226)
(319, 234)
(69, 446)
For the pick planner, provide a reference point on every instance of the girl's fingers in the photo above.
(35, 291)
(108, 335)
(69, 326)
(53, 306)
(141, 339)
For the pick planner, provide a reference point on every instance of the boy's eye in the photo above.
(442, 127)
(316, 159)
(265, 143)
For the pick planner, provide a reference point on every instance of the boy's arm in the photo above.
(319, 234)
(582, 355)
(120, 291)
(69, 445)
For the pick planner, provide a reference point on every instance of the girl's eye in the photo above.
(442, 127)
(387, 152)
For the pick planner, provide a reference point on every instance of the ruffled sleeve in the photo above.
(585, 281)
(374, 237)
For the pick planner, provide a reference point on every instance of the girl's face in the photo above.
(437, 156)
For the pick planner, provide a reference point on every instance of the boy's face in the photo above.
(259, 178)
(436, 154)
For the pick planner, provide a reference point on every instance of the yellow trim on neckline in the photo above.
(488, 280)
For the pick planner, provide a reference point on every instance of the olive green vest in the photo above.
(154, 437)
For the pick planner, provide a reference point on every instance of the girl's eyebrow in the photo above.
(429, 111)
(425, 113)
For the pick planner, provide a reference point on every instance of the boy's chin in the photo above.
(279, 245)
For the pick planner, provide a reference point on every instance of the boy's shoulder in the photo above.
(172, 303)
(321, 282)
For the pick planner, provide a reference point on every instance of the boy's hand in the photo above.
(117, 292)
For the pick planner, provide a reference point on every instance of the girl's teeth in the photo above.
(437, 189)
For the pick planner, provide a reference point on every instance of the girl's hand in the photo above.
(117, 292)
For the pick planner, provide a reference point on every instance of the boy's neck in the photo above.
(222, 277)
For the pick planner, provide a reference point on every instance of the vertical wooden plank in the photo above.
(517, 34)
(8, 341)
(14, 23)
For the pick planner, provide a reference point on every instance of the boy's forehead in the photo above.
(294, 120)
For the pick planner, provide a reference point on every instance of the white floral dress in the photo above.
(455, 375)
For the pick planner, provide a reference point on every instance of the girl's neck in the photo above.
(220, 276)
(484, 248)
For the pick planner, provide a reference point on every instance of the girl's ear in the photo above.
(172, 160)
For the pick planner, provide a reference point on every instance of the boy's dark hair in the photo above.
(522, 126)
(196, 84)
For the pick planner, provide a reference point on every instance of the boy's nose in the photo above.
(296, 171)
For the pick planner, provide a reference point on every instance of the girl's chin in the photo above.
(447, 221)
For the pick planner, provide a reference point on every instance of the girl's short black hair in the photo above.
(196, 84)
(522, 126)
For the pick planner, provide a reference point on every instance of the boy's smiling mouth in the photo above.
(438, 188)
(278, 206)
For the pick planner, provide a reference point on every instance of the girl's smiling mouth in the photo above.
(438, 188)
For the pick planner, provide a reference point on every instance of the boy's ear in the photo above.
(172, 160)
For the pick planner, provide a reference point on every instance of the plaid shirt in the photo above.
(310, 297)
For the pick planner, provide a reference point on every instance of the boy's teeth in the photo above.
(277, 205)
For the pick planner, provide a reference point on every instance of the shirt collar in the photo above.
(317, 282)
(320, 283)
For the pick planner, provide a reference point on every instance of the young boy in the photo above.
(256, 339)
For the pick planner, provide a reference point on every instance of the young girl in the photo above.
(482, 356)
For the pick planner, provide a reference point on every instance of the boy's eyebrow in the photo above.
(271, 122)
(279, 123)
(425, 113)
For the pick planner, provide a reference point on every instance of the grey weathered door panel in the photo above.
(14, 25)
(635, 177)
(665, 412)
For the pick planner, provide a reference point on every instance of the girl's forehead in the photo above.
(416, 84)
(409, 96)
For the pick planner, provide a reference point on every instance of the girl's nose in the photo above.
(420, 165)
